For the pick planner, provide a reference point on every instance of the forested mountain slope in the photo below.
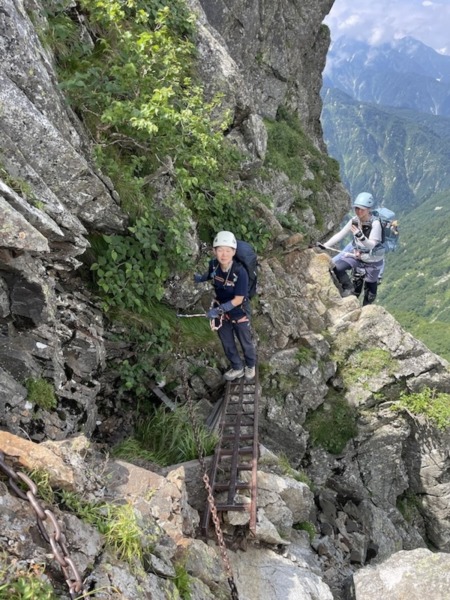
(416, 288)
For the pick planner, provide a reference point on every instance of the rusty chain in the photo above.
(55, 538)
(206, 481)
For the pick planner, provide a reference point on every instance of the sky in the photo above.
(379, 21)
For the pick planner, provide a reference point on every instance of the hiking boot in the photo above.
(233, 374)
(250, 373)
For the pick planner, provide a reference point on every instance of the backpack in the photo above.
(390, 232)
(246, 256)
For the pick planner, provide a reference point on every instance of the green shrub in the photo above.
(136, 91)
(290, 150)
(308, 527)
(153, 337)
(41, 393)
(304, 354)
(409, 505)
(434, 405)
(332, 425)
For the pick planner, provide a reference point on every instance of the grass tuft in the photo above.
(332, 425)
(41, 393)
(166, 438)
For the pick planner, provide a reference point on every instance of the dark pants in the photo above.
(370, 287)
(228, 334)
(370, 290)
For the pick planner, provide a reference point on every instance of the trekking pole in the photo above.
(323, 247)
(190, 316)
(332, 249)
(337, 250)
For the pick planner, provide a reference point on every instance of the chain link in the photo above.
(207, 483)
(53, 535)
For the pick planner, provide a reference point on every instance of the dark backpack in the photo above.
(246, 256)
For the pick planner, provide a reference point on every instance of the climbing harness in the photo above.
(215, 324)
(206, 481)
(55, 538)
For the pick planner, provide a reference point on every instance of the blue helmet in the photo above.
(364, 200)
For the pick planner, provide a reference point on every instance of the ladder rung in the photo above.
(243, 415)
(245, 436)
(240, 507)
(247, 450)
(220, 487)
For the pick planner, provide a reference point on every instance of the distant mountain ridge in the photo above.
(402, 156)
(404, 74)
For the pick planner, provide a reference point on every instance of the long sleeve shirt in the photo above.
(369, 247)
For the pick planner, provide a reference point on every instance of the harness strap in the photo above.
(243, 319)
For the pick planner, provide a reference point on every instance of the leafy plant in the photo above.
(41, 392)
(17, 584)
(135, 89)
(434, 405)
(153, 337)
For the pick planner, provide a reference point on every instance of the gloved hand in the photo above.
(226, 307)
(199, 278)
(213, 313)
(217, 311)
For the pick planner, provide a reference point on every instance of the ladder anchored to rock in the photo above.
(236, 453)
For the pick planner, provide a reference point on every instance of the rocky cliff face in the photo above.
(310, 340)
(51, 196)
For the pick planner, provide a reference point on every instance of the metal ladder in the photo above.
(236, 451)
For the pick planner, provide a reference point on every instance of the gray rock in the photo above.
(414, 575)
(264, 575)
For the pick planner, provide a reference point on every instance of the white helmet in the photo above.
(364, 200)
(225, 238)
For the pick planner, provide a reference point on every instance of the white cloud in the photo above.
(384, 21)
